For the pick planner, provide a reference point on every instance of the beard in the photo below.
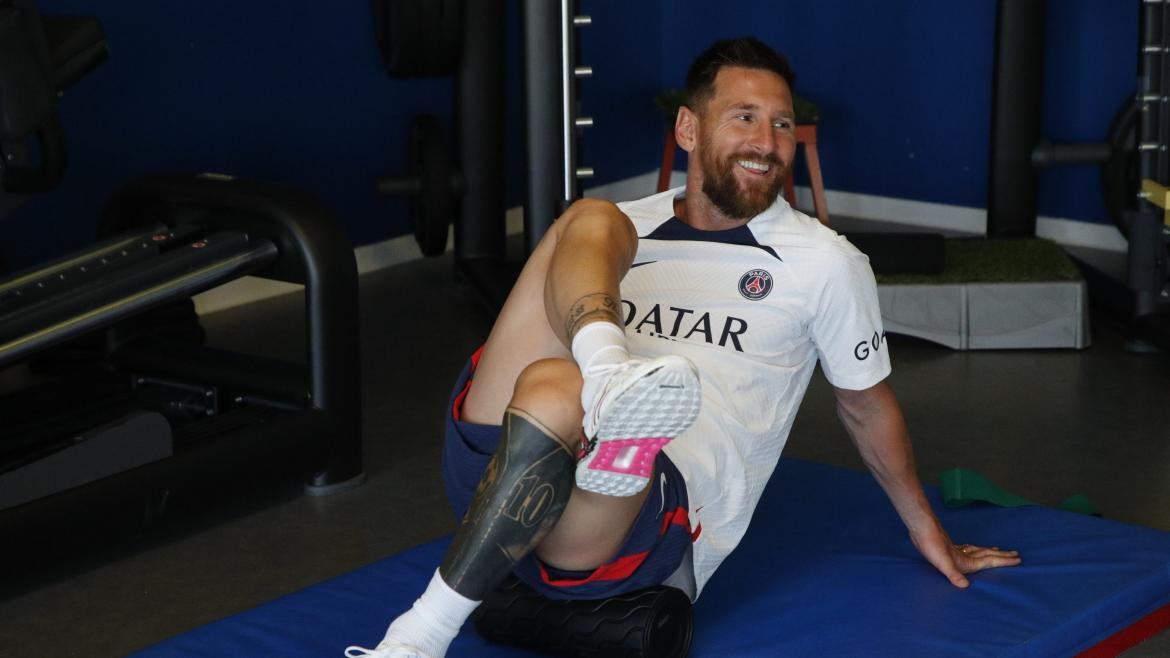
(722, 188)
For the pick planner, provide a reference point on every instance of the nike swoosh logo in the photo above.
(662, 494)
(642, 263)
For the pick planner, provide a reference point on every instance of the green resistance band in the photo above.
(962, 486)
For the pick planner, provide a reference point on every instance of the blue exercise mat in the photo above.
(825, 570)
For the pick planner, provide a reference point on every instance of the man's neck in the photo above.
(697, 211)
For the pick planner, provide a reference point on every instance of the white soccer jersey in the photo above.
(754, 308)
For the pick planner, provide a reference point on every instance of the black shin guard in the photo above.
(522, 494)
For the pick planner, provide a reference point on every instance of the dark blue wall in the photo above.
(905, 87)
(294, 92)
(1091, 70)
(623, 47)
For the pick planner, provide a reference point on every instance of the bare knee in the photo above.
(550, 391)
(598, 219)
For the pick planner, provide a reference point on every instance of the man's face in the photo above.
(746, 141)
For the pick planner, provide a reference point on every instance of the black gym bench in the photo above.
(115, 393)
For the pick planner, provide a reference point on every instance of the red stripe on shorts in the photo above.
(626, 565)
(457, 407)
(619, 569)
(677, 517)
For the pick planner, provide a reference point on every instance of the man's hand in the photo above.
(874, 422)
(955, 560)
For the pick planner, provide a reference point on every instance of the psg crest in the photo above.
(755, 284)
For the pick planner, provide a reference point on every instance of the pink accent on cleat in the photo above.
(629, 456)
(643, 406)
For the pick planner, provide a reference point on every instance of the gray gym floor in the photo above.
(1042, 424)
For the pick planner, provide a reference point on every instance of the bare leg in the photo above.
(527, 491)
(582, 258)
(571, 278)
(526, 498)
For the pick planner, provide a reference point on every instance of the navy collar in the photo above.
(676, 229)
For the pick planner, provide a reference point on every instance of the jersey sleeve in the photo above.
(847, 328)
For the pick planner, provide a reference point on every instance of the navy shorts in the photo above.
(654, 549)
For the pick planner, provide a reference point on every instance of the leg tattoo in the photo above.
(594, 306)
(522, 494)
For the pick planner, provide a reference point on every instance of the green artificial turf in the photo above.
(980, 260)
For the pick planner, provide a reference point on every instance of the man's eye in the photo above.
(783, 125)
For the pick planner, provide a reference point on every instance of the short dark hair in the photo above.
(746, 52)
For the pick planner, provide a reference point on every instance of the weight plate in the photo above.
(1121, 174)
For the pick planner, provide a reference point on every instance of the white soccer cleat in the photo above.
(643, 405)
(385, 649)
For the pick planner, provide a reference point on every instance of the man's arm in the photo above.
(874, 422)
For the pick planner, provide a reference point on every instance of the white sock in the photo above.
(433, 621)
(597, 343)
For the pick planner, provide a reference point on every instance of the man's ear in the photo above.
(686, 128)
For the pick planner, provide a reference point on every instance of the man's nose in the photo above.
(763, 137)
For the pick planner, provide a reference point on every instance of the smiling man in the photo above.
(618, 427)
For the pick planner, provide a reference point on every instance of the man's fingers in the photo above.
(964, 559)
(990, 561)
(976, 552)
(979, 559)
(970, 559)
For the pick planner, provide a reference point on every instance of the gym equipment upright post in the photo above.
(469, 192)
(480, 254)
(552, 127)
(1015, 124)
(479, 111)
(551, 117)
(1018, 149)
(1149, 234)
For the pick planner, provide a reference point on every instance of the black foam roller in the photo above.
(651, 623)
